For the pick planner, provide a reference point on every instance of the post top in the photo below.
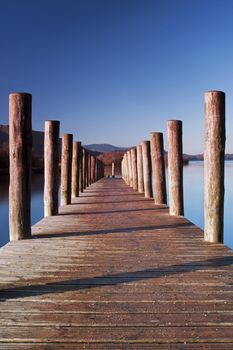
(20, 93)
(67, 135)
(156, 133)
(214, 92)
(145, 141)
(52, 121)
(174, 121)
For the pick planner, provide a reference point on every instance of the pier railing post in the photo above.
(214, 165)
(126, 169)
(158, 167)
(20, 147)
(134, 168)
(92, 169)
(81, 169)
(175, 168)
(51, 167)
(146, 158)
(130, 169)
(66, 168)
(140, 169)
(75, 169)
(89, 169)
(113, 169)
(84, 168)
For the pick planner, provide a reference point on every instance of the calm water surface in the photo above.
(193, 195)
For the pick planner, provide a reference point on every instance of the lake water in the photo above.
(193, 199)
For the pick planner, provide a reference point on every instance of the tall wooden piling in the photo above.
(92, 169)
(20, 147)
(146, 159)
(89, 169)
(84, 168)
(130, 169)
(175, 167)
(81, 169)
(51, 167)
(126, 169)
(158, 167)
(66, 168)
(214, 165)
(134, 168)
(75, 169)
(113, 169)
(140, 169)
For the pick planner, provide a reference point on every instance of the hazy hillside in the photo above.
(102, 148)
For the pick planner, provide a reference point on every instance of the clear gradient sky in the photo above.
(114, 70)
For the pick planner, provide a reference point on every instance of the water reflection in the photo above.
(36, 204)
(193, 199)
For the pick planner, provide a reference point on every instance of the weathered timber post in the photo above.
(175, 167)
(92, 169)
(140, 169)
(134, 168)
(66, 168)
(158, 167)
(89, 169)
(113, 169)
(75, 169)
(146, 159)
(214, 165)
(20, 147)
(81, 169)
(96, 169)
(51, 167)
(84, 167)
(130, 169)
(125, 166)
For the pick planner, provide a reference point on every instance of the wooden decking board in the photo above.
(112, 271)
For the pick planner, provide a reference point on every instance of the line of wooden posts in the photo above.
(79, 169)
(143, 167)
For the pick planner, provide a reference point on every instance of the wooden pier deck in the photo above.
(113, 271)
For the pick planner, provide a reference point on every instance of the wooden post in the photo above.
(146, 159)
(96, 169)
(113, 169)
(134, 168)
(66, 168)
(130, 169)
(140, 169)
(158, 167)
(214, 165)
(81, 169)
(92, 169)
(76, 169)
(175, 168)
(127, 168)
(20, 146)
(87, 168)
(84, 168)
(51, 167)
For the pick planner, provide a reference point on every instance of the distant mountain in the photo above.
(103, 148)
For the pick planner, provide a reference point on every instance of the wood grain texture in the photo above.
(214, 165)
(114, 271)
(20, 157)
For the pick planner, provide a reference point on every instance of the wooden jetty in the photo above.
(114, 267)
(114, 271)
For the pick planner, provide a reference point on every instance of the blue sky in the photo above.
(114, 70)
